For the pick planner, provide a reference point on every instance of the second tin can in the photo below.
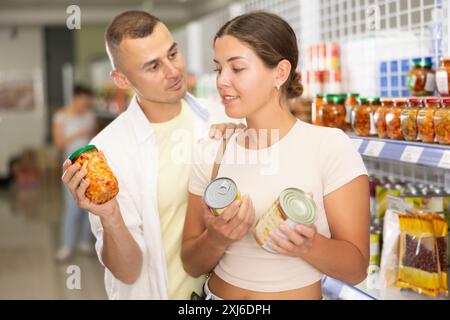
(292, 207)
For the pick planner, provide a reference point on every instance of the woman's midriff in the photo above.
(226, 291)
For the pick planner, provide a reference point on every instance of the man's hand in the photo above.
(232, 225)
(217, 131)
(73, 179)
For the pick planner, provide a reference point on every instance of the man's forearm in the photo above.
(200, 255)
(338, 259)
(121, 254)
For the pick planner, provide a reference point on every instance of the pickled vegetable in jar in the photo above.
(350, 102)
(443, 77)
(408, 119)
(421, 80)
(103, 183)
(339, 111)
(326, 111)
(317, 103)
(363, 121)
(393, 119)
(380, 117)
(425, 119)
(442, 122)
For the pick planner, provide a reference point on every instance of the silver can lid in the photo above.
(220, 193)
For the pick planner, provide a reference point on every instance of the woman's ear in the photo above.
(120, 80)
(283, 72)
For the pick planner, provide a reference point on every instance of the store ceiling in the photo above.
(51, 12)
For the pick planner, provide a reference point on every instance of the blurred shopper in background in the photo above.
(73, 127)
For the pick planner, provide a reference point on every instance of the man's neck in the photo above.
(159, 112)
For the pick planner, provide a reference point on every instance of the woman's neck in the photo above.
(268, 125)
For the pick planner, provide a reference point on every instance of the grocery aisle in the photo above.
(28, 241)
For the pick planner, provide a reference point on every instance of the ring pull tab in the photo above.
(224, 187)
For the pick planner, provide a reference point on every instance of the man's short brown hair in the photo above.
(129, 24)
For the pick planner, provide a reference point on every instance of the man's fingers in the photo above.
(70, 172)
(81, 190)
(66, 164)
(76, 179)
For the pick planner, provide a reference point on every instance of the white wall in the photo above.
(22, 55)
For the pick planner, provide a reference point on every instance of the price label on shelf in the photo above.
(411, 154)
(357, 143)
(374, 148)
(445, 160)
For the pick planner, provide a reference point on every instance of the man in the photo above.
(139, 232)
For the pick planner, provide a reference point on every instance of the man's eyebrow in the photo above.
(149, 63)
(230, 59)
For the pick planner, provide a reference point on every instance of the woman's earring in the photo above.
(278, 87)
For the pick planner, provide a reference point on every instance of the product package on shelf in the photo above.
(389, 254)
(420, 262)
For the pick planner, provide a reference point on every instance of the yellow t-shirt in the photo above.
(175, 140)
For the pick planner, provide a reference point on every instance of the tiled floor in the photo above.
(29, 232)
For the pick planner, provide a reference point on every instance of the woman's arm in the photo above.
(206, 236)
(346, 255)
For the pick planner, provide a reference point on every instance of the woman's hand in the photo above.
(232, 225)
(299, 240)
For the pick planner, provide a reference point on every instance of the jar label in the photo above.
(430, 84)
(442, 82)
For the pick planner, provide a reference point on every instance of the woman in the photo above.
(256, 56)
(73, 128)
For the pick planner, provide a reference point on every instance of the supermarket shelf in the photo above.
(426, 154)
(337, 290)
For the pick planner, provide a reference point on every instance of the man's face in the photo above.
(153, 66)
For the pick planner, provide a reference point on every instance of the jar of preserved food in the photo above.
(363, 122)
(442, 122)
(326, 111)
(421, 79)
(393, 119)
(425, 119)
(443, 77)
(339, 111)
(380, 117)
(408, 119)
(350, 103)
(103, 183)
(317, 103)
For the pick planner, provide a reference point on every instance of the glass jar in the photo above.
(425, 118)
(350, 103)
(380, 117)
(103, 183)
(408, 119)
(339, 111)
(317, 103)
(443, 77)
(442, 122)
(363, 122)
(393, 127)
(326, 111)
(420, 80)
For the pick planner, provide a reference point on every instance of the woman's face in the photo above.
(245, 84)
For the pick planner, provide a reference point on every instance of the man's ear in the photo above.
(283, 72)
(120, 80)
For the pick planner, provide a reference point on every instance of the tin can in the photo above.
(375, 246)
(292, 207)
(220, 193)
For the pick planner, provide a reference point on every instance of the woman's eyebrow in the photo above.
(230, 59)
